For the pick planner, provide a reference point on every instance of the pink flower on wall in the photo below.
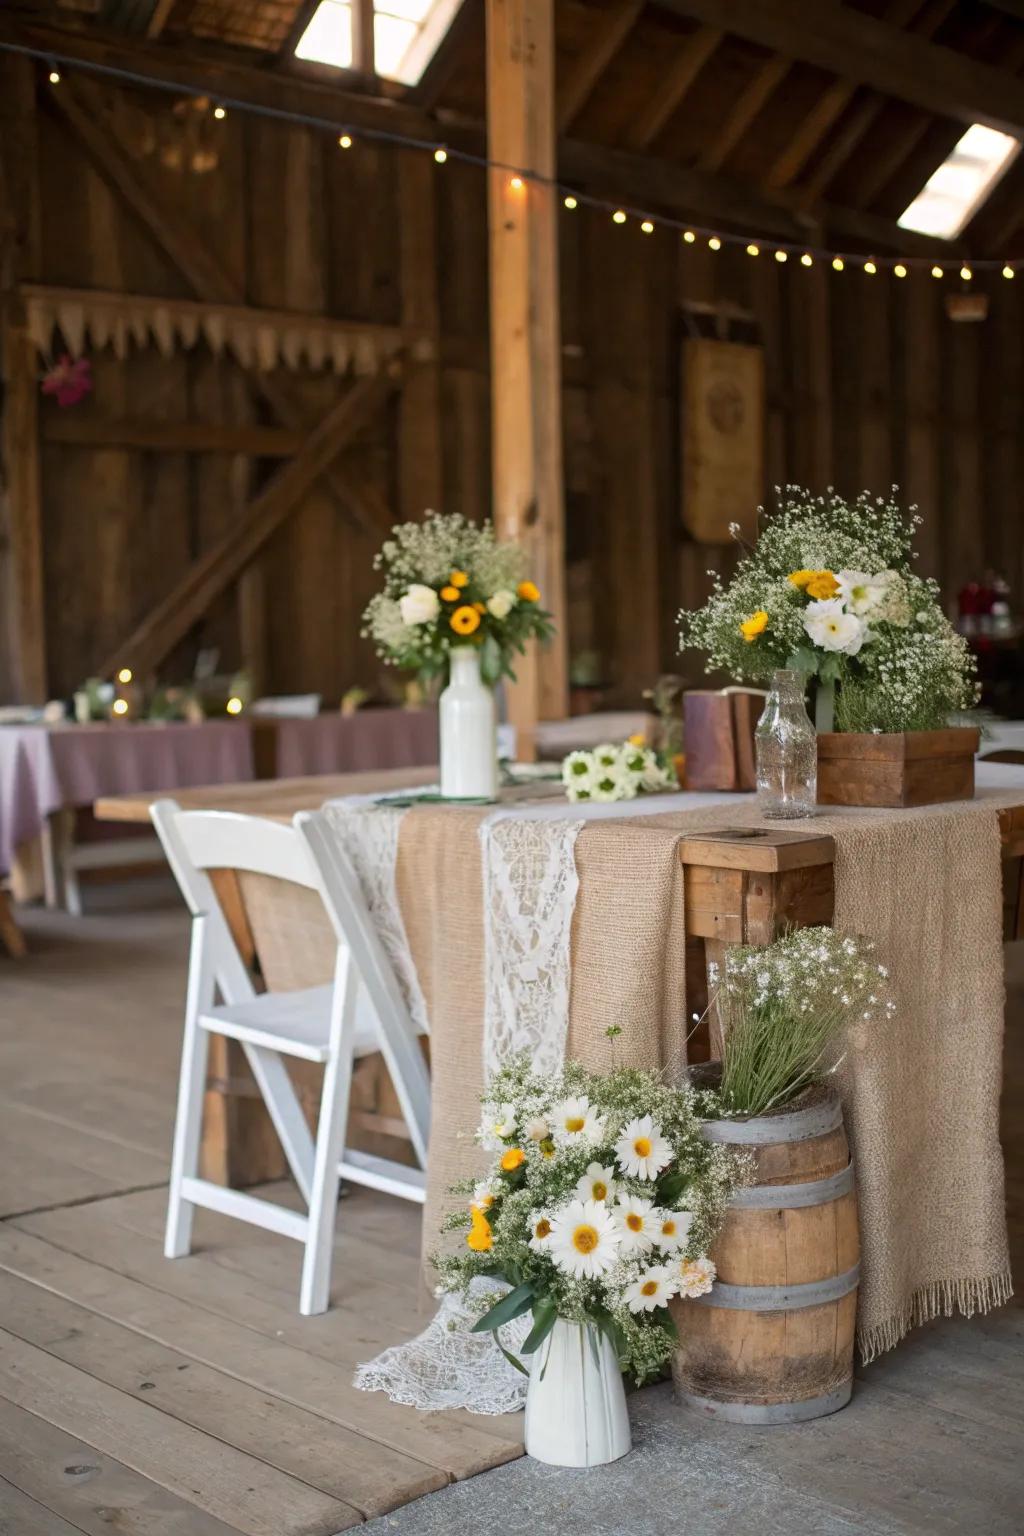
(69, 380)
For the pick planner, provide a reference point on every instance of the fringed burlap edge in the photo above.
(942, 1298)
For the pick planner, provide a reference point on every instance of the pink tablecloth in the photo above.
(43, 768)
(371, 738)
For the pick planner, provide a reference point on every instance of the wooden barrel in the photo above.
(772, 1343)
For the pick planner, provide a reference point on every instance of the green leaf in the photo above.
(509, 1356)
(671, 1185)
(511, 1306)
(545, 1316)
(804, 659)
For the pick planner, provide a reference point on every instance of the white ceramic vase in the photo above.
(468, 719)
(575, 1402)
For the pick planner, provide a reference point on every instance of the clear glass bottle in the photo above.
(787, 751)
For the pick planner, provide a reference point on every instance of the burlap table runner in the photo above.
(921, 1093)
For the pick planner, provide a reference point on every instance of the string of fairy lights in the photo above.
(572, 198)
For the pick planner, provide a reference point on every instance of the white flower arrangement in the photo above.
(829, 590)
(616, 773)
(604, 1218)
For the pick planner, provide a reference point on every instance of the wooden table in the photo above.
(744, 887)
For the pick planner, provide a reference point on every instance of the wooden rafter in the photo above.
(827, 109)
(847, 42)
(588, 67)
(444, 60)
(190, 598)
(766, 80)
(197, 265)
(865, 115)
(363, 51)
(675, 82)
(158, 18)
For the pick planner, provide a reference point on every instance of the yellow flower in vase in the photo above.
(801, 578)
(514, 1158)
(465, 620)
(527, 592)
(822, 585)
(754, 626)
(458, 579)
(479, 1238)
(450, 594)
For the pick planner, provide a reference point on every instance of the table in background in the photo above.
(287, 747)
(47, 772)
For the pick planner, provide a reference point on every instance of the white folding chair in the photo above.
(362, 1010)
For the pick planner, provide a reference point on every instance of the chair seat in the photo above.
(296, 1023)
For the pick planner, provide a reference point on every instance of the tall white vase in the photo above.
(575, 1402)
(469, 752)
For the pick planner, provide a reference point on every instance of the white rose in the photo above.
(501, 604)
(420, 604)
(831, 627)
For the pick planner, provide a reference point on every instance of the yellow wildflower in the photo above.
(528, 592)
(754, 626)
(638, 739)
(479, 1235)
(801, 578)
(822, 584)
(465, 620)
(459, 579)
(480, 607)
(513, 1159)
(450, 594)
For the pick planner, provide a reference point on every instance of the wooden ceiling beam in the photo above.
(676, 81)
(826, 111)
(588, 67)
(158, 18)
(747, 105)
(846, 42)
(864, 117)
(434, 79)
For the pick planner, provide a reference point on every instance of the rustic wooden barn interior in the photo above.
(129, 539)
(315, 301)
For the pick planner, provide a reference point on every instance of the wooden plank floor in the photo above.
(190, 1399)
(184, 1398)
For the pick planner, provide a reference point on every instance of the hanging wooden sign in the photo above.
(722, 433)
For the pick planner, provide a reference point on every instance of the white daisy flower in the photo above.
(497, 1124)
(540, 1231)
(635, 1220)
(584, 1239)
(612, 783)
(695, 1277)
(641, 1150)
(860, 591)
(577, 1123)
(606, 756)
(651, 1289)
(671, 1229)
(537, 1129)
(578, 770)
(484, 1194)
(597, 1184)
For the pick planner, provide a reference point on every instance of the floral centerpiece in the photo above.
(457, 601)
(617, 773)
(599, 1206)
(829, 591)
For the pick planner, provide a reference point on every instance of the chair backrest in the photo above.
(353, 924)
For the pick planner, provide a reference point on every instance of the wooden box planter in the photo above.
(911, 768)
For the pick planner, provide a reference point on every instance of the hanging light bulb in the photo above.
(781, 255)
(966, 273)
(753, 250)
(345, 141)
(569, 202)
(618, 217)
(647, 227)
(689, 236)
(54, 76)
(806, 260)
(899, 270)
(870, 268)
(124, 675)
(220, 113)
(440, 155)
(516, 183)
(838, 263)
(936, 271)
(714, 244)
(1008, 271)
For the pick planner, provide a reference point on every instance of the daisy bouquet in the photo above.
(600, 1205)
(616, 773)
(448, 583)
(829, 590)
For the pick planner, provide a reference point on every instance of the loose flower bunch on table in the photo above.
(616, 773)
(829, 590)
(449, 583)
(600, 1205)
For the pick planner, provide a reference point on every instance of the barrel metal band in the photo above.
(772, 1413)
(781, 1298)
(787, 1197)
(767, 1130)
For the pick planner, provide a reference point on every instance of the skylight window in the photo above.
(406, 34)
(954, 193)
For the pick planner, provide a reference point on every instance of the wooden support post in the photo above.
(747, 887)
(526, 374)
(419, 430)
(363, 51)
(21, 573)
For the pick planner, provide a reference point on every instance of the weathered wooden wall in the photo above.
(868, 384)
